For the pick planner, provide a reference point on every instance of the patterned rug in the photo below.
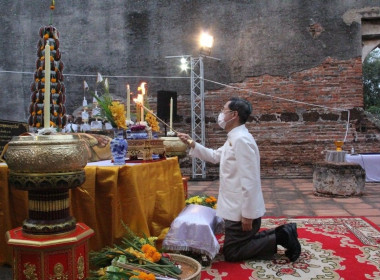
(332, 248)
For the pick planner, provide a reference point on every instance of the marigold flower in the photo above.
(156, 256)
(143, 276)
(39, 112)
(46, 36)
(38, 124)
(101, 271)
(205, 200)
(151, 253)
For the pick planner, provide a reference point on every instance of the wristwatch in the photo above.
(189, 142)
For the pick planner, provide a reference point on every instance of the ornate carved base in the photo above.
(145, 148)
(50, 257)
(49, 203)
(46, 181)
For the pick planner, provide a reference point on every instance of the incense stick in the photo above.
(189, 141)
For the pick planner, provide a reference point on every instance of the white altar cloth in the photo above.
(108, 163)
(370, 163)
(194, 230)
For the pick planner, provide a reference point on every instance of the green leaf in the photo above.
(104, 102)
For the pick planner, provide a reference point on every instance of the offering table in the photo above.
(147, 197)
(370, 163)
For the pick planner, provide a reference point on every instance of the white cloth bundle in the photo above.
(193, 230)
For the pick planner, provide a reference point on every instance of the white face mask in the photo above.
(221, 122)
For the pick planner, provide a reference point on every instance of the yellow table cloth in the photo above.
(147, 197)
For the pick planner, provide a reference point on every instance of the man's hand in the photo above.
(246, 224)
(185, 138)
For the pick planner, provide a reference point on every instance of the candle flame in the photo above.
(139, 99)
(142, 88)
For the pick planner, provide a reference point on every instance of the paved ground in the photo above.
(294, 197)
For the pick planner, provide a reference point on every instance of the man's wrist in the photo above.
(190, 143)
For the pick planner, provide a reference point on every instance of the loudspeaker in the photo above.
(163, 104)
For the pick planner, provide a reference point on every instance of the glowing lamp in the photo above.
(184, 65)
(206, 40)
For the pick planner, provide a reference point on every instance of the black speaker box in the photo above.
(163, 104)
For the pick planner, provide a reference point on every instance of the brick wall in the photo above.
(293, 136)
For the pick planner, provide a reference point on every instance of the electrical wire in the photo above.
(210, 81)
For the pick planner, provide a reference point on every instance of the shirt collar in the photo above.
(236, 130)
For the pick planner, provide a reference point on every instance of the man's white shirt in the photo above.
(240, 193)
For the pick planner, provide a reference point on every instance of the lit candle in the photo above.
(128, 103)
(142, 88)
(171, 114)
(47, 86)
(139, 103)
(141, 99)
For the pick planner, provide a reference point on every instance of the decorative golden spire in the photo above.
(52, 7)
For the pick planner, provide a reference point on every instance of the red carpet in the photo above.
(332, 248)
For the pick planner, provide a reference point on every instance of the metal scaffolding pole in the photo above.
(197, 113)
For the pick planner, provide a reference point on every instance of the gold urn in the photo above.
(47, 166)
(174, 146)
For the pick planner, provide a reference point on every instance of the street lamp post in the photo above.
(197, 113)
(197, 93)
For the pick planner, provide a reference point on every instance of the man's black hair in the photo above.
(242, 106)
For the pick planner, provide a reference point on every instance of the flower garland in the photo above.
(205, 200)
(152, 122)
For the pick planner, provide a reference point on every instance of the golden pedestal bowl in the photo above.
(47, 166)
(174, 146)
(46, 153)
